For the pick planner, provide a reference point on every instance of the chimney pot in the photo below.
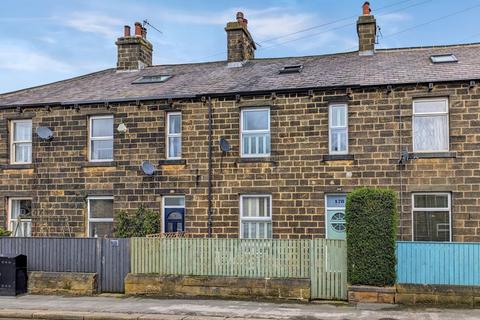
(366, 8)
(126, 31)
(245, 22)
(240, 17)
(138, 29)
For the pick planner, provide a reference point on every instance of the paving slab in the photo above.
(122, 308)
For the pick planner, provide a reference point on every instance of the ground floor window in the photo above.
(100, 217)
(20, 217)
(335, 217)
(431, 216)
(255, 216)
(173, 214)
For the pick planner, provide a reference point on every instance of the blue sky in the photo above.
(51, 40)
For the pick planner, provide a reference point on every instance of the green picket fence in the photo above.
(323, 261)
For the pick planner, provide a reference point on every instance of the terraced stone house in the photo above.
(246, 147)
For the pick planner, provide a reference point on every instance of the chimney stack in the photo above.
(134, 52)
(240, 44)
(367, 31)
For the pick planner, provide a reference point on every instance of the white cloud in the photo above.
(92, 22)
(25, 59)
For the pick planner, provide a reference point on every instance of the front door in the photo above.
(173, 214)
(174, 219)
(335, 216)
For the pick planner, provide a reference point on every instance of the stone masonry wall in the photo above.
(296, 175)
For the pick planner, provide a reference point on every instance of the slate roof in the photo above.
(388, 66)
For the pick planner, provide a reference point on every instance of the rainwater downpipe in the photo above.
(210, 143)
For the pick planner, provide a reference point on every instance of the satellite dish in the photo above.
(147, 168)
(224, 145)
(45, 133)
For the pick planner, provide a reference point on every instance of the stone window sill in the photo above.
(17, 166)
(256, 160)
(338, 157)
(431, 155)
(99, 164)
(179, 162)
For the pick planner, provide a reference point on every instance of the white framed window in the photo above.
(255, 217)
(338, 129)
(430, 125)
(174, 135)
(20, 217)
(255, 132)
(21, 141)
(100, 216)
(173, 213)
(101, 138)
(432, 216)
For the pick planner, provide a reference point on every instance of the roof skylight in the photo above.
(291, 69)
(152, 79)
(443, 58)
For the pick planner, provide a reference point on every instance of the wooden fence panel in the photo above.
(448, 263)
(222, 257)
(323, 261)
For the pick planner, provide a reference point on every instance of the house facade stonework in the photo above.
(289, 184)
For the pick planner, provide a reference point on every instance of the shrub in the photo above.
(4, 233)
(142, 222)
(371, 218)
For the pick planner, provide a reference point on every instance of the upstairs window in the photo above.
(21, 142)
(255, 132)
(430, 125)
(431, 217)
(174, 135)
(338, 129)
(255, 217)
(101, 138)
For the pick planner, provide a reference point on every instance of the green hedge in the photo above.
(142, 222)
(371, 218)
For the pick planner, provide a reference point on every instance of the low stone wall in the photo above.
(221, 287)
(62, 283)
(465, 296)
(370, 294)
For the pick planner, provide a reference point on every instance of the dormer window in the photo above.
(443, 58)
(152, 79)
(291, 69)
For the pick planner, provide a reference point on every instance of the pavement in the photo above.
(120, 307)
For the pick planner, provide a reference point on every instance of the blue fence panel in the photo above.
(451, 263)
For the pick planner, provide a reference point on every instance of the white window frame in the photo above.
(242, 131)
(9, 211)
(330, 127)
(13, 142)
(104, 138)
(184, 207)
(431, 114)
(96, 219)
(173, 135)
(255, 219)
(449, 210)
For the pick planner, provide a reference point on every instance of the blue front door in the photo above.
(174, 219)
